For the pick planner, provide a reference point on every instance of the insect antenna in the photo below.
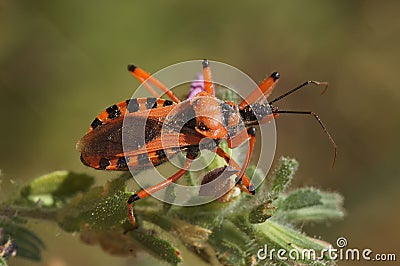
(318, 83)
(325, 84)
(276, 111)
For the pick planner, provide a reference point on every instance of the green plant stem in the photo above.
(26, 212)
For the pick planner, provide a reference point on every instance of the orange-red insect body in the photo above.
(171, 126)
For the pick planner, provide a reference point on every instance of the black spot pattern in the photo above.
(113, 112)
(132, 105)
(122, 163)
(104, 162)
(96, 122)
(151, 103)
(167, 103)
(161, 154)
(143, 158)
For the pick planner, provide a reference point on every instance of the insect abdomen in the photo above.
(136, 162)
(129, 106)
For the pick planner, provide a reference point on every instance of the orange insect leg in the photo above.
(265, 88)
(208, 84)
(249, 187)
(150, 190)
(143, 77)
(252, 139)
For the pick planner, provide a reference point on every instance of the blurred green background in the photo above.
(62, 62)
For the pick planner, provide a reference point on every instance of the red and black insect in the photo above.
(203, 117)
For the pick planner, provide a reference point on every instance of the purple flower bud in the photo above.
(196, 86)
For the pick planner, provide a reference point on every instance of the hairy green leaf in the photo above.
(58, 185)
(283, 176)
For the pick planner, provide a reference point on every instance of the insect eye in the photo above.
(201, 126)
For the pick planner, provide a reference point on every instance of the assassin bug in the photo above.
(171, 126)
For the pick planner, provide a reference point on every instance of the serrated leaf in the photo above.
(96, 210)
(109, 211)
(100, 207)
